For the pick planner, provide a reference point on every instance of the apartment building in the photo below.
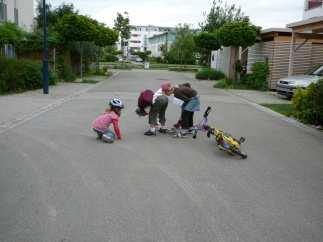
(20, 12)
(140, 35)
(156, 42)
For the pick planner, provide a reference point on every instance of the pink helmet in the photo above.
(165, 86)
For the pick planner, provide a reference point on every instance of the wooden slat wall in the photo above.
(277, 54)
(317, 54)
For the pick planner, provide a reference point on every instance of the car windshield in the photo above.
(317, 71)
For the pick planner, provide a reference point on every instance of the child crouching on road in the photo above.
(158, 109)
(111, 116)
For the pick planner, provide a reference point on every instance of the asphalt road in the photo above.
(58, 183)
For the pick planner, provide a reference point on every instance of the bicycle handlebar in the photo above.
(207, 112)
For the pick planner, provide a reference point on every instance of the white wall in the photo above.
(315, 12)
(220, 60)
(144, 33)
(25, 12)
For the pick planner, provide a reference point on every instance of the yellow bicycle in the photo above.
(224, 141)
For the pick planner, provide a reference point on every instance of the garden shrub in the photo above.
(65, 73)
(202, 74)
(182, 68)
(20, 75)
(258, 78)
(308, 104)
(215, 75)
(64, 70)
(223, 83)
(110, 58)
(209, 74)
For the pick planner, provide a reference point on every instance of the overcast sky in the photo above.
(265, 13)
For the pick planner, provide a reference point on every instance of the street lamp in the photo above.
(45, 51)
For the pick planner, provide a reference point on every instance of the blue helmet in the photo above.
(116, 103)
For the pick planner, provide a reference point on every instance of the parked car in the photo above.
(287, 86)
(138, 59)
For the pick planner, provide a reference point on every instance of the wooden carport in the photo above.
(307, 29)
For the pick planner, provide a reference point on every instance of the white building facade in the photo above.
(140, 35)
(157, 42)
(313, 8)
(20, 12)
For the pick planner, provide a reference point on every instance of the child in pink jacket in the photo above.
(101, 125)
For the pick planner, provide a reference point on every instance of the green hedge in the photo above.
(209, 74)
(183, 68)
(20, 75)
(308, 104)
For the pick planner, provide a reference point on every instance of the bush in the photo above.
(258, 79)
(308, 104)
(110, 58)
(53, 78)
(202, 74)
(182, 68)
(216, 75)
(209, 74)
(66, 73)
(223, 83)
(156, 60)
(21, 75)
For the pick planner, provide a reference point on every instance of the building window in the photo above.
(314, 4)
(3, 11)
(135, 35)
(135, 41)
(16, 16)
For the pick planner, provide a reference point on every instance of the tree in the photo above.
(238, 34)
(122, 26)
(143, 55)
(220, 14)
(183, 49)
(10, 33)
(53, 15)
(205, 43)
(84, 32)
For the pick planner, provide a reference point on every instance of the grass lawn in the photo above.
(285, 109)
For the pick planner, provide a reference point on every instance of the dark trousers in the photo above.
(187, 119)
(158, 110)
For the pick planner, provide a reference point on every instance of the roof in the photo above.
(157, 35)
(305, 22)
(151, 26)
(276, 30)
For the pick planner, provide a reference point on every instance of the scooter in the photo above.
(224, 141)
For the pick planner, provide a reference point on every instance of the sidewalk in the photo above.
(17, 108)
(260, 97)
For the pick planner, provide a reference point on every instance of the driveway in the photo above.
(58, 183)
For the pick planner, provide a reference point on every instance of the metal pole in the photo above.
(54, 59)
(45, 51)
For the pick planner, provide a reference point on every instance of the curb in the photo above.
(282, 117)
(4, 127)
